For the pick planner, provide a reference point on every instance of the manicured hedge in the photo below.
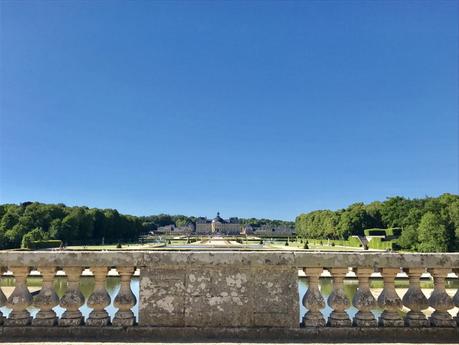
(390, 232)
(394, 232)
(351, 242)
(354, 242)
(45, 244)
(378, 243)
(375, 232)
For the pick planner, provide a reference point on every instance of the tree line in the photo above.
(34, 221)
(428, 224)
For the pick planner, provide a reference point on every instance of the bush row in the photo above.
(44, 244)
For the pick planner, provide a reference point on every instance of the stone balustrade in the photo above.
(229, 290)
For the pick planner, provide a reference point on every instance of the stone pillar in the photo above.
(363, 299)
(415, 300)
(2, 297)
(20, 299)
(440, 300)
(99, 299)
(313, 299)
(73, 299)
(125, 299)
(338, 300)
(389, 300)
(455, 298)
(46, 300)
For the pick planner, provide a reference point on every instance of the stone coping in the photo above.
(325, 274)
(249, 258)
(212, 335)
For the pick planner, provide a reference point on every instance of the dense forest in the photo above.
(428, 224)
(33, 221)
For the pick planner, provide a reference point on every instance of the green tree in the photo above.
(432, 234)
(36, 234)
(409, 238)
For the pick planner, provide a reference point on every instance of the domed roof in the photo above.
(218, 219)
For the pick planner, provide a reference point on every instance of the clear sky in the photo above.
(254, 108)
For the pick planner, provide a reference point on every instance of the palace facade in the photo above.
(218, 225)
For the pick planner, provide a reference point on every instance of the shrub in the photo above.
(118, 245)
(306, 246)
(42, 244)
(354, 242)
(378, 243)
(286, 243)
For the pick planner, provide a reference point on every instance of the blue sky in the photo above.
(255, 108)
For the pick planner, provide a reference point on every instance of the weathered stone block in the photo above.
(218, 295)
(44, 322)
(78, 321)
(163, 297)
(217, 311)
(18, 322)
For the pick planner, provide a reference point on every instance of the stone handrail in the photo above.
(228, 289)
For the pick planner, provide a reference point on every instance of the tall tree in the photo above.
(432, 234)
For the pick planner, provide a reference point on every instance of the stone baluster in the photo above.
(313, 300)
(99, 299)
(125, 299)
(389, 300)
(456, 297)
(415, 300)
(337, 300)
(20, 299)
(440, 300)
(46, 300)
(363, 299)
(2, 297)
(73, 299)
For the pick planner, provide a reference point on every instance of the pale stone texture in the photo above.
(20, 299)
(415, 300)
(2, 298)
(389, 300)
(440, 300)
(313, 300)
(46, 300)
(73, 299)
(338, 300)
(456, 297)
(363, 299)
(225, 294)
(125, 299)
(296, 259)
(99, 299)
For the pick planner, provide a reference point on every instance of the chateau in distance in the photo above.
(218, 225)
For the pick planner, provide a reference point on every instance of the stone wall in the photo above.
(226, 292)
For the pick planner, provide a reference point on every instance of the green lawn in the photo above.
(113, 247)
(298, 246)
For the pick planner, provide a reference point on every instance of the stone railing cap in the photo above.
(247, 258)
